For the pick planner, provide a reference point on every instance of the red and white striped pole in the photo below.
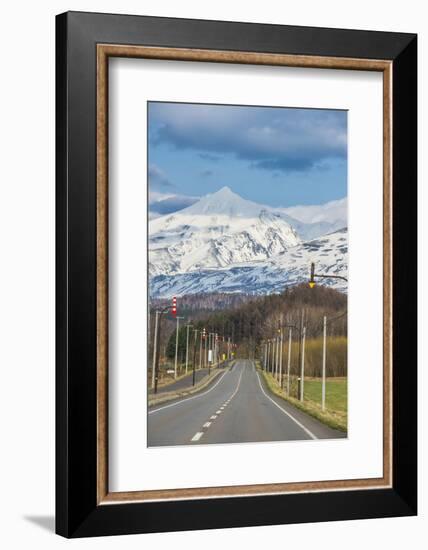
(174, 306)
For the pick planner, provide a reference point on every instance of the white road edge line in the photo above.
(188, 398)
(286, 412)
(197, 436)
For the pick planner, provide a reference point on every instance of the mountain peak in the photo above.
(224, 202)
(224, 192)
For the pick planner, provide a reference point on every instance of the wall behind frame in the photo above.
(27, 272)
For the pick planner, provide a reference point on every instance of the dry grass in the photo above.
(336, 356)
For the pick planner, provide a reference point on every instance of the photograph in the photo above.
(248, 273)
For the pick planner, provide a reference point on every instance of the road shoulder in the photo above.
(320, 430)
(169, 397)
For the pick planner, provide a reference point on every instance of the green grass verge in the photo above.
(336, 392)
(335, 415)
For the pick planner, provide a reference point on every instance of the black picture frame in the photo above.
(77, 511)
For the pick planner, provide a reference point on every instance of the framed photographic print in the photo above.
(236, 274)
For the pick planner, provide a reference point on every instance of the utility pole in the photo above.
(300, 337)
(280, 358)
(289, 361)
(200, 354)
(323, 361)
(272, 353)
(208, 354)
(267, 355)
(302, 367)
(158, 339)
(265, 361)
(157, 354)
(280, 352)
(194, 356)
(155, 343)
(176, 346)
(187, 345)
(272, 350)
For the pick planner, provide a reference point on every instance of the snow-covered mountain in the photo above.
(224, 242)
(289, 268)
(333, 212)
(218, 231)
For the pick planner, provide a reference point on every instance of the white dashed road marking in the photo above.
(198, 435)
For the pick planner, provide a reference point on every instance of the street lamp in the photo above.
(195, 332)
(312, 284)
(323, 276)
(176, 343)
(187, 344)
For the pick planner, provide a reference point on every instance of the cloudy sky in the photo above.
(275, 156)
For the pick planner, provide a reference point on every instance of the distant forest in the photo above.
(247, 320)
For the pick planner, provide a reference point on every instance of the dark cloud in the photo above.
(172, 204)
(209, 157)
(158, 179)
(274, 139)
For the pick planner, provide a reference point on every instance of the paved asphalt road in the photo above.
(183, 383)
(236, 408)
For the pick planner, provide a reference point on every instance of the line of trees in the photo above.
(258, 318)
(248, 321)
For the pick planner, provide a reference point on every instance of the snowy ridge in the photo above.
(329, 253)
(224, 242)
(335, 212)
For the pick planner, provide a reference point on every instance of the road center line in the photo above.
(207, 425)
(197, 436)
(237, 387)
(311, 435)
(188, 398)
